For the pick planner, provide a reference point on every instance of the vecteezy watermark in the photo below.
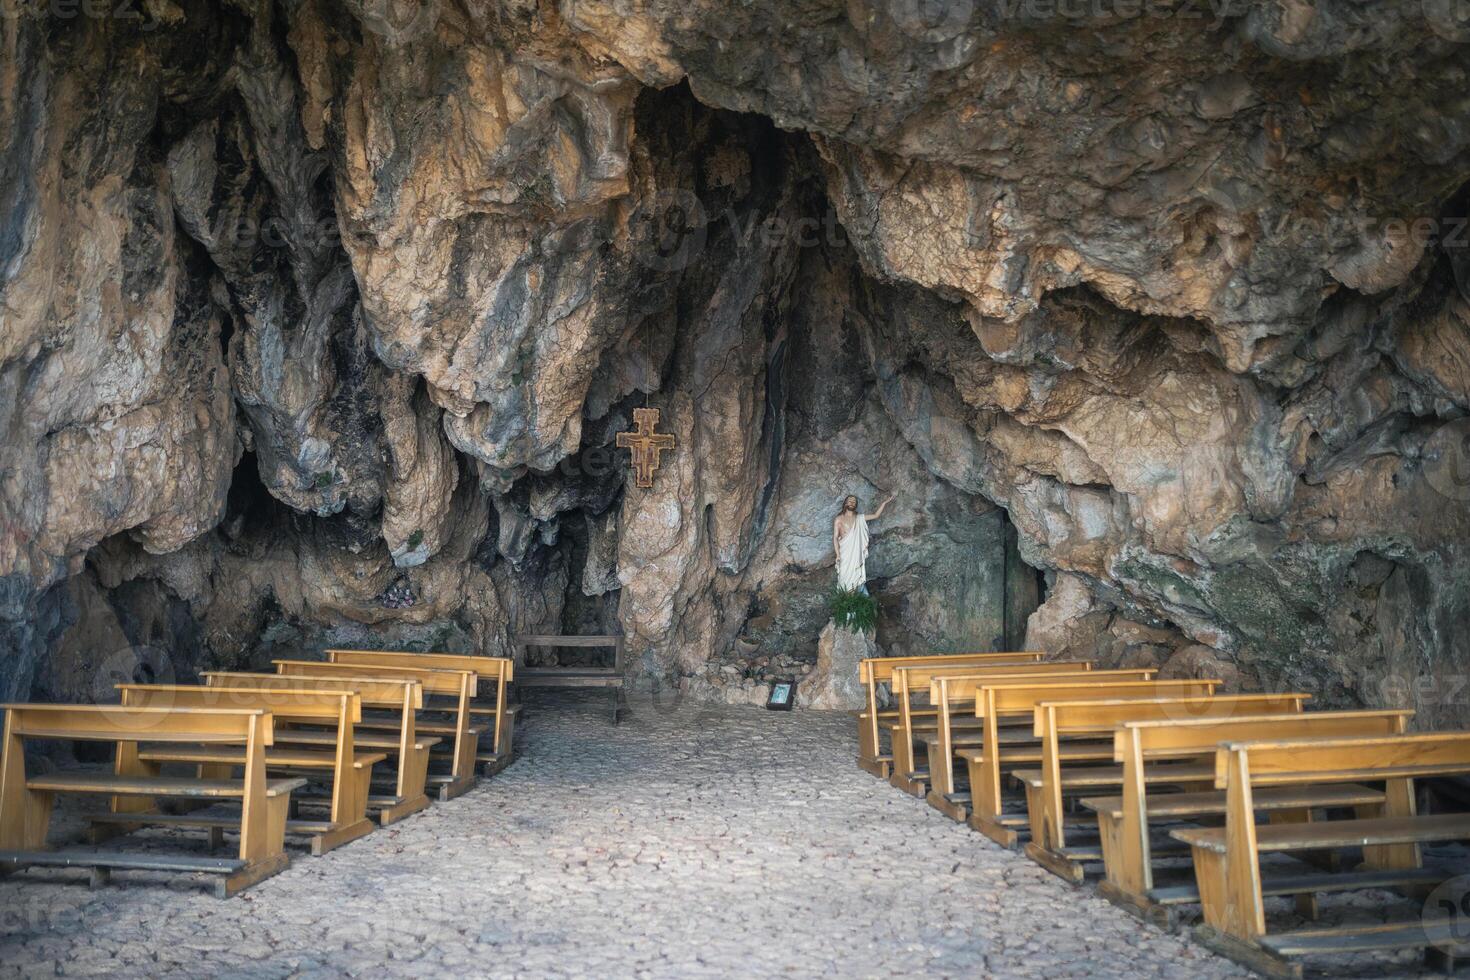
(1448, 232)
(1416, 690)
(593, 461)
(274, 232)
(139, 664)
(1214, 11)
(1446, 916)
(134, 12)
(397, 21)
(1450, 19)
(669, 229)
(932, 21)
(30, 921)
(1446, 457)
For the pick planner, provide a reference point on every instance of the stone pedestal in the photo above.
(833, 683)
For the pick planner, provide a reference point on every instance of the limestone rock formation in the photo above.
(833, 682)
(318, 320)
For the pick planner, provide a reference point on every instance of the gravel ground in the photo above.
(689, 841)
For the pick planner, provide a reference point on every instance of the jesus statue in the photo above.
(850, 543)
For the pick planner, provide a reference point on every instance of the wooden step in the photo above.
(482, 709)
(1412, 934)
(1339, 833)
(124, 862)
(1188, 894)
(170, 786)
(1093, 852)
(204, 821)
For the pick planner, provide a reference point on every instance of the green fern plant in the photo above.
(853, 610)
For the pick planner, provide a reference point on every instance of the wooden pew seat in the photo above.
(1444, 935)
(1205, 803)
(179, 787)
(1113, 775)
(1023, 752)
(431, 727)
(1337, 833)
(276, 756)
(498, 710)
(1227, 860)
(366, 740)
(27, 799)
(874, 671)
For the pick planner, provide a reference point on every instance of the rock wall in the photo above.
(318, 319)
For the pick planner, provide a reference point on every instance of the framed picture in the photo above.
(782, 696)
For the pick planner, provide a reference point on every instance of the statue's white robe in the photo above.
(852, 555)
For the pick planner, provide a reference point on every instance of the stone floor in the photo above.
(689, 841)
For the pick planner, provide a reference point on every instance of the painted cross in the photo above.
(646, 444)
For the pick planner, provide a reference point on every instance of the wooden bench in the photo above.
(950, 693)
(348, 771)
(1061, 723)
(1227, 860)
(403, 698)
(1011, 699)
(1126, 822)
(608, 677)
(498, 672)
(26, 801)
(456, 688)
(874, 671)
(910, 719)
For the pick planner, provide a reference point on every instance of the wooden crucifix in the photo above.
(645, 444)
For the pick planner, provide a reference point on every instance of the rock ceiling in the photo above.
(323, 312)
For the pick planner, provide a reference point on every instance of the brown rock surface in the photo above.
(317, 324)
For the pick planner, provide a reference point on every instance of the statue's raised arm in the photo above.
(881, 508)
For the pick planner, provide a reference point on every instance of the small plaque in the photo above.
(782, 696)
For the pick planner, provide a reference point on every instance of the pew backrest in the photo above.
(1347, 759)
(500, 669)
(917, 677)
(285, 705)
(111, 723)
(434, 681)
(963, 686)
(1060, 718)
(880, 669)
(374, 692)
(1012, 697)
(1181, 737)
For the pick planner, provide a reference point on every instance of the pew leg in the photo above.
(506, 741)
(256, 871)
(38, 818)
(1398, 801)
(903, 758)
(1214, 888)
(1110, 834)
(1036, 813)
(277, 811)
(867, 748)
